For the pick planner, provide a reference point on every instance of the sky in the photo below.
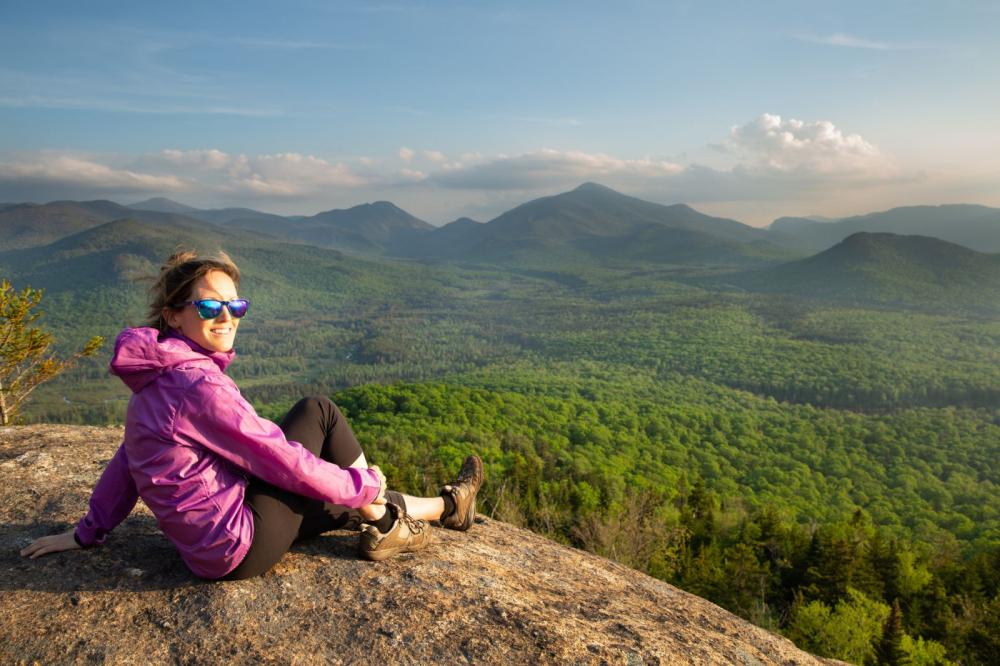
(746, 110)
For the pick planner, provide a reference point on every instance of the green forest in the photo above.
(824, 469)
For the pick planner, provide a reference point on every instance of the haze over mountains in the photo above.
(582, 219)
(976, 227)
(862, 258)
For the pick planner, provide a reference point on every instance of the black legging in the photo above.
(280, 517)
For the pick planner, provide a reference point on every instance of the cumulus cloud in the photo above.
(435, 156)
(406, 154)
(290, 174)
(795, 145)
(546, 168)
(278, 175)
(76, 172)
(204, 159)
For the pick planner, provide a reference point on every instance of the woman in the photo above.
(231, 490)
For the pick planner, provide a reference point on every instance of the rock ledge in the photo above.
(497, 594)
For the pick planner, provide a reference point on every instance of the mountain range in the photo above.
(595, 224)
(591, 225)
(369, 228)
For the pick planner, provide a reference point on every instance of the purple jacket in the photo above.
(191, 441)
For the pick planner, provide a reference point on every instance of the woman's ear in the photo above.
(170, 316)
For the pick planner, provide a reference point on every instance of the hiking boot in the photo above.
(463, 492)
(407, 535)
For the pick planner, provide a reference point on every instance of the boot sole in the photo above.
(386, 553)
(379, 555)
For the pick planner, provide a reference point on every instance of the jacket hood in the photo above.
(142, 354)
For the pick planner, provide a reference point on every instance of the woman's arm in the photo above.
(113, 498)
(215, 416)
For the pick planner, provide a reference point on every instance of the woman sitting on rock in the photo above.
(231, 490)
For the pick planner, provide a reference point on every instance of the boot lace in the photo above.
(415, 526)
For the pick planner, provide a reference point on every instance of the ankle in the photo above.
(385, 523)
(449, 504)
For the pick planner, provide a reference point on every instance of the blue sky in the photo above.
(749, 110)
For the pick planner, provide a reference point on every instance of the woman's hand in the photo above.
(50, 544)
(380, 499)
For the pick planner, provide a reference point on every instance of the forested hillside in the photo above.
(914, 272)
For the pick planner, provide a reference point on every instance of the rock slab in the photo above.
(494, 595)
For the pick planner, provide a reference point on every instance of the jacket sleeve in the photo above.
(113, 498)
(218, 418)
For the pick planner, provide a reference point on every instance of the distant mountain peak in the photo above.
(925, 250)
(591, 186)
(163, 205)
(385, 205)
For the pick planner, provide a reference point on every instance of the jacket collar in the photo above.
(221, 359)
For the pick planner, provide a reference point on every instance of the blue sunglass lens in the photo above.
(238, 308)
(210, 309)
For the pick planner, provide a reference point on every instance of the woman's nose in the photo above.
(224, 314)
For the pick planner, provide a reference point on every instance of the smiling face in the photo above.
(216, 334)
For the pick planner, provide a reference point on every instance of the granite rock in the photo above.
(496, 594)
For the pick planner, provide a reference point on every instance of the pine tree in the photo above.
(889, 648)
(25, 361)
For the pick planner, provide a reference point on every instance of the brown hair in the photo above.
(176, 280)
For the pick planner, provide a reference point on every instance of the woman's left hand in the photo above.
(380, 499)
(50, 544)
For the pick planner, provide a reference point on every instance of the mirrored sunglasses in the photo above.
(209, 308)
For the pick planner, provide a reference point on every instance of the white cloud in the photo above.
(120, 105)
(794, 145)
(77, 172)
(435, 156)
(406, 154)
(279, 173)
(205, 159)
(556, 122)
(291, 45)
(850, 41)
(288, 174)
(197, 171)
(412, 175)
(547, 168)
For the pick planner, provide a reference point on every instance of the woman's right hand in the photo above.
(50, 544)
(380, 499)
